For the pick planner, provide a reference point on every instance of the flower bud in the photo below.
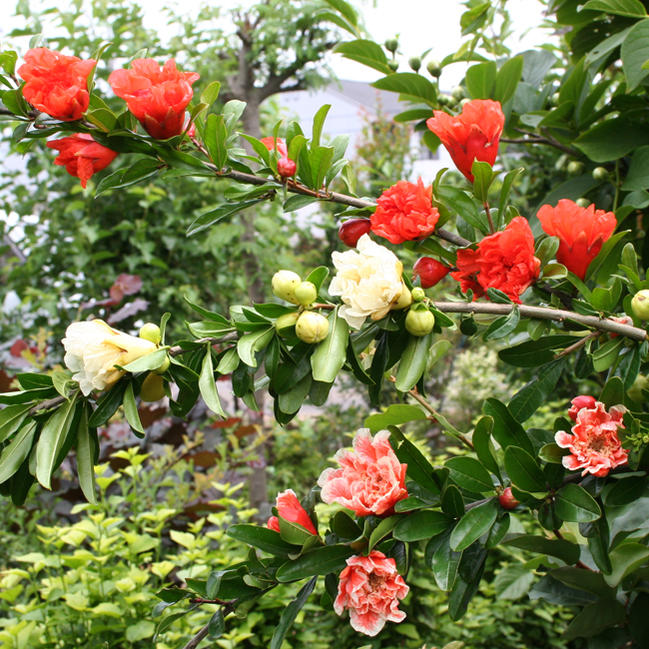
(600, 173)
(164, 366)
(311, 327)
(582, 202)
(151, 332)
(391, 45)
(352, 230)
(420, 322)
(635, 391)
(393, 65)
(415, 63)
(418, 294)
(306, 293)
(507, 500)
(286, 321)
(640, 304)
(286, 167)
(152, 388)
(404, 300)
(575, 167)
(430, 271)
(457, 93)
(434, 68)
(284, 283)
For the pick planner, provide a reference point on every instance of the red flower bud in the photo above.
(582, 401)
(430, 271)
(352, 230)
(286, 167)
(507, 500)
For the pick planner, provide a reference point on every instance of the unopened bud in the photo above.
(575, 167)
(420, 322)
(457, 93)
(415, 63)
(582, 202)
(394, 65)
(284, 283)
(286, 321)
(152, 388)
(640, 304)
(311, 327)
(600, 173)
(434, 68)
(306, 293)
(151, 332)
(286, 167)
(391, 45)
(418, 294)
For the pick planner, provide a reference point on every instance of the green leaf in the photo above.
(419, 468)
(262, 538)
(215, 139)
(473, 525)
(249, 344)
(147, 362)
(216, 625)
(513, 581)
(506, 431)
(564, 550)
(573, 503)
(594, 618)
(408, 83)
(413, 362)
(317, 276)
(625, 558)
(51, 441)
(207, 385)
(366, 52)
(523, 470)
(11, 419)
(443, 561)
(130, 410)
(207, 219)
(108, 403)
(469, 474)
(87, 450)
(612, 139)
(290, 613)
(483, 446)
(329, 356)
(629, 8)
(536, 392)
(211, 93)
(533, 353)
(421, 525)
(634, 54)
(480, 80)
(15, 453)
(320, 561)
(606, 355)
(382, 530)
(483, 176)
(508, 78)
(394, 415)
(318, 123)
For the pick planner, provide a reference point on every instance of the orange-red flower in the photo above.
(55, 83)
(370, 588)
(157, 96)
(474, 134)
(581, 232)
(81, 155)
(582, 401)
(504, 260)
(370, 479)
(405, 212)
(270, 142)
(594, 444)
(289, 508)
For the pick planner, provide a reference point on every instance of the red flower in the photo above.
(269, 143)
(370, 481)
(157, 96)
(81, 155)
(594, 444)
(581, 232)
(55, 83)
(405, 212)
(472, 135)
(289, 508)
(370, 588)
(503, 260)
(582, 401)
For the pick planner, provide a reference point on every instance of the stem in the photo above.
(195, 641)
(492, 228)
(577, 345)
(544, 313)
(618, 184)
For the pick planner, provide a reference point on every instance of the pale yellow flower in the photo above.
(368, 280)
(92, 349)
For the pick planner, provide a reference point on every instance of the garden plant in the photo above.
(551, 273)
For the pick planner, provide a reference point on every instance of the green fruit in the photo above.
(418, 294)
(420, 322)
(311, 327)
(284, 283)
(286, 321)
(600, 173)
(640, 304)
(635, 391)
(152, 388)
(415, 63)
(434, 68)
(163, 367)
(306, 293)
(575, 167)
(151, 332)
(582, 202)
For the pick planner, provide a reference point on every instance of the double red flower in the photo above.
(81, 155)
(157, 96)
(56, 84)
(289, 508)
(581, 232)
(405, 212)
(503, 260)
(472, 135)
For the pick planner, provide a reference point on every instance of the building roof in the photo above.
(366, 96)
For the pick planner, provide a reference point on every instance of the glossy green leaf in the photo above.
(480, 80)
(564, 550)
(87, 450)
(408, 83)
(207, 385)
(594, 618)
(290, 613)
(11, 419)
(394, 415)
(421, 525)
(537, 391)
(473, 525)
(506, 430)
(523, 470)
(366, 52)
(628, 8)
(15, 453)
(147, 362)
(443, 561)
(508, 78)
(382, 530)
(513, 581)
(625, 558)
(483, 445)
(413, 362)
(330, 355)
(262, 538)
(249, 344)
(469, 474)
(130, 410)
(574, 503)
(320, 561)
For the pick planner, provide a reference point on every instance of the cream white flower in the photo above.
(368, 281)
(92, 349)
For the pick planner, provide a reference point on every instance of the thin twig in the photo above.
(492, 228)
(575, 346)
(195, 641)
